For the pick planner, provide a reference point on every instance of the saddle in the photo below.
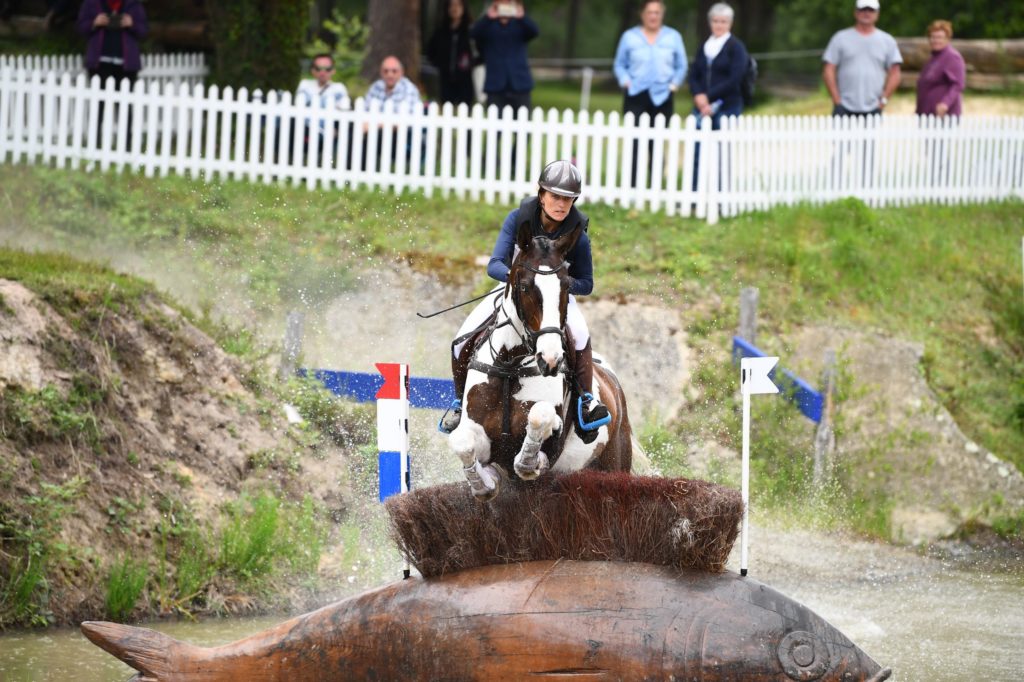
(506, 371)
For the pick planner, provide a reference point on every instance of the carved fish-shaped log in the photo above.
(537, 620)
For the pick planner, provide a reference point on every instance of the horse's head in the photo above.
(539, 285)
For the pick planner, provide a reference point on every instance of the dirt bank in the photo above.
(126, 431)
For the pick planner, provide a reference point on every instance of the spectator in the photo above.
(393, 88)
(450, 49)
(718, 69)
(862, 65)
(943, 77)
(113, 29)
(320, 89)
(501, 36)
(650, 63)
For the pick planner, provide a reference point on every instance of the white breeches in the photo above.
(573, 320)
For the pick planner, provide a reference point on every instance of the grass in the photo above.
(946, 276)
(124, 587)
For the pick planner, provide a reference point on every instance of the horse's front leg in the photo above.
(471, 444)
(541, 423)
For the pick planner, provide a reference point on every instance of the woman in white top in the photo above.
(719, 68)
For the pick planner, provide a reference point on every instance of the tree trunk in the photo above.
(394, 30)
(630, 15)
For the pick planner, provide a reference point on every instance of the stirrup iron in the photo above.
(594, 425)
(456, 409)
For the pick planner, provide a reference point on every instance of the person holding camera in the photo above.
(113, 29)
(501, 36)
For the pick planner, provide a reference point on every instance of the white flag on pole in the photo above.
(754, 375)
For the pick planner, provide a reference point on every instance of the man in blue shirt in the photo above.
(501, 36)
(650, 65)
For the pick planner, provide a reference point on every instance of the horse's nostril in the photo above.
(548, 366)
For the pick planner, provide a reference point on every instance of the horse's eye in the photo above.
(524, 287)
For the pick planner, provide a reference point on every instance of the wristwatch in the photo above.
(884, 100)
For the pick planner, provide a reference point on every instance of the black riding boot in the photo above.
(592, 412)
(453, 415)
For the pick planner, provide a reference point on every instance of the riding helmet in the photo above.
(562, 178)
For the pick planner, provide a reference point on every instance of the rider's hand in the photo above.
(101, 20)
(492, 11)
(126, 21)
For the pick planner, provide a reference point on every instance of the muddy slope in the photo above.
(119, 417)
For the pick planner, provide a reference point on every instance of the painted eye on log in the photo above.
(803, 656)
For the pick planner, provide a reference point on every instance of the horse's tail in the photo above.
(154, 654)
(642, 464)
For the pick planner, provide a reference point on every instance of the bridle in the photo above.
(531, 335)
(519, 366)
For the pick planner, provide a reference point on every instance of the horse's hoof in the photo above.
(529, 473)
(482, 480)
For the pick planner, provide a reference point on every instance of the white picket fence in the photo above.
(173, 68)
(682, 168)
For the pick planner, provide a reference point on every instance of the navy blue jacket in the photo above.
(581, 266)
(723, 80)
(503, 48)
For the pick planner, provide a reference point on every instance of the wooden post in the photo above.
(292, 346)
(748, 314)
(825, 437)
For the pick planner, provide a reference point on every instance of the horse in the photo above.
(518, 403)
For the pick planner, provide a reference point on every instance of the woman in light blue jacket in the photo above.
(650, 63)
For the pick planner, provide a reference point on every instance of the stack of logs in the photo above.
(991, 64)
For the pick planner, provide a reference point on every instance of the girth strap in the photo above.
(506, 373)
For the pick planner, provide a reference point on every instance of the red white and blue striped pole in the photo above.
(393, 432)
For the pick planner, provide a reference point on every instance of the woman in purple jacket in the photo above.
(113, 29)
(943, 76)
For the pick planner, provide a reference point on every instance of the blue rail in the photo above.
(363, 386)
(791, 387)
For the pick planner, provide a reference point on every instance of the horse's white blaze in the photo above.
(549, 346)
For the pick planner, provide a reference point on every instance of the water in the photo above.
(925, 618)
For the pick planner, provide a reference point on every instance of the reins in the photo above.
(518, 366)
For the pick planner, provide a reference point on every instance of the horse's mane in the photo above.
(586, 515)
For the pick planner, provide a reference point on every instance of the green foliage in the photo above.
(347, 44)
(124, 587)
(247, 542)
(344, 422)
(29, 547)
(261, 531)
(47, 414)
(808, 24)
(258, 43)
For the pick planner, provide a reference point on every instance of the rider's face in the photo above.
(556, 206)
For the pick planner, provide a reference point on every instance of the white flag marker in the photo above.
(753, 381)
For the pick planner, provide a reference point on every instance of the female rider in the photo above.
(552, 213)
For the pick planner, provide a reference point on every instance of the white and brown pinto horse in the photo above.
(519, 406)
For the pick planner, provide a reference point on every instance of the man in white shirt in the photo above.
(320, 89)
(393, 88)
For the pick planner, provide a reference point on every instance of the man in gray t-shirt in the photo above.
(862, 65)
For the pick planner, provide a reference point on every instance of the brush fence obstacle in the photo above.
(173, 68)
(683, 168)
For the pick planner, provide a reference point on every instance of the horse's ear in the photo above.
(565, 243)
(524, 236)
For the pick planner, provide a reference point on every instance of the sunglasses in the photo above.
(322, 69)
